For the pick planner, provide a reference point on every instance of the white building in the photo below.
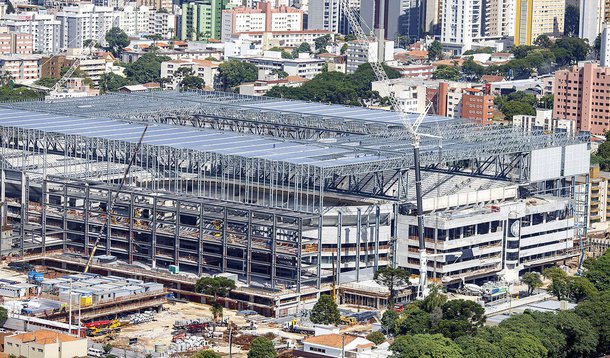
(22, 68)
(45, 29)
(204, 69)
(544, 121)
(162, 23)
(591, 19)
(86, 21)
(328, 15)
(461, 26)
(304, 66)
(262, 19)
(340, 345)
(410, 93)
(605, 48)
(283, 38)
(499, 18)
(135, 20)
(359, 53)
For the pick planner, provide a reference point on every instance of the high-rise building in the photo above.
(202, 19)
(401, 17)
(44, 28)
(85, 22)
(477, 105)
(15, 43)
(499, 18)
(538, 17)
(580, 96)
(156, 4)
(592, 17)
(462, 23)
(359, 53)
(328, 15)
(264, 18)
(604, 55)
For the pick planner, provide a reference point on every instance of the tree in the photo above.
(215, 286)
(580, 336)
(344, 49)
(10, 9)
(543, 41)
(598, 271)
(3, 314)
(304, 48)
(321, 43)
(580, 288)
(559, 282)
(597, 46)
(472, 69)
(596, 310)
(444, 72)
(518, 345)
(522, 51)
(376, 337)
(532, 280)
(261, 347)
(107, 348)
(233, 73)
(280, 73)
(111, 82)
(146, 69)
(325, 311)
(513, 108)
(435, 51)
(388, 321)
(475, 347)
(206, 354)
(571, 19)
(46, 82)
(425, 346)
(349, 37)
(540, 325)
(117, 40)
(192, 83)
(217, 311)
(391, 277)
(413, 320)
(569, 50)
(435, 299)
(547, 101)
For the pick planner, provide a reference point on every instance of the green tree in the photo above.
(460, 318)
(391, 277)
(233, 73)
(472, 69)
(111, 82)
(206, 354)
(261, 347)
(215, 286)
(598, 271)
(413, 320)
(344, 48)
(596, 310)
(280, 73)
(543, 326)
(559, 282)
(117, 40)
(325, 311)
(349, 37)
(217, 311)
(322, 42)
(376, 337)
(46, 82)
(547, 101)
(512, 108)
(532, 280)
(475, 347)
(522, 51)
(3, 314)
(435, 51)
(518, 345)
(435, 300)
(580, 288)
(146, 69)
(543, 41)
(304, 48)
(569, 50)
(581, 337)
(388, 320)
(425, 346)
(107, 348)
(445, 72)
(571, 19)
(192, 83)
(9, 94)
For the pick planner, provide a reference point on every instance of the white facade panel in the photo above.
(577, 160)
(545, 164)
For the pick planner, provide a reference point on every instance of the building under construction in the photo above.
(281, 193)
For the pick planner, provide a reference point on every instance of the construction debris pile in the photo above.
(139, 318)
(185, 342)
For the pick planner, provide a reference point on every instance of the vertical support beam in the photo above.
(87, 206)
(299, 254)
(130, 246)
(24, 211)
(358, 233)
(319, 245)
(153, 248)
(273, 251)
(64, 221)
(177, 234)
(200, 242)
(224, 238)
(249, 249)
(377, 225)
(339, 241)
(109, 222)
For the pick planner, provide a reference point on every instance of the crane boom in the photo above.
(110, 208)
(411, 128)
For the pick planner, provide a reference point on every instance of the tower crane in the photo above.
(411, 128)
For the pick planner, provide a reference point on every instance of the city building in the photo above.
(135, 20)
(604, 56)
(262, 19)
(359, 52)
(401, 17)
(538, 17)
(202, 19)
(74, 88)
(599, 209)
(21, 68)
(328, 15)
(162, 23)
(45, 343)
(424, 71)
(303, 66)
(340, 206)
(85, 22)
(544, 121)
(411, 94)
(283, 39)
(592, 19)
(477, 105)
(262, 86)
(44, 28)
(15, 43)
(338, 345)
(462, 26)
(580, 96)
(204, 69)
(166, 5)
(499, 18)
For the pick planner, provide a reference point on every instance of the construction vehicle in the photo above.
(348, 320)
(104, 231)
(398, 307)
(197, 327)
(101, 328)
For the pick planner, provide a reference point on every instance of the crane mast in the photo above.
(411, 128)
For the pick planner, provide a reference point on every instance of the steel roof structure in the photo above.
(285, 153)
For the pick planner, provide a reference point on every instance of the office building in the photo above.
(86, 22)
(44, 28)
(592, 18)
(604, 56)
(401, 17)
(16, 43)
(359, 53)
(580, 96)
(477, 105)
(328, 15)
(262, 19)
(462, 26)
(202, 19)
(538, 17)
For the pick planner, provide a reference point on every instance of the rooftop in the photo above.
(43, 336)
(331, 340)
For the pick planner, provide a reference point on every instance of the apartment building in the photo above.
(260, 87)
(304, 66)
(15, 43)
(544, 121)
(604, 56)
(22, 68)
(162, 23)
(499, 18)
(44, 28)
(135, 20)
(328, 15)
(157, 4)
(400, 17)
(283, 38)
(204, 69)
(592, 19)
(581, 95)
(477, 105)
(45, 343)
(538, 17)
(264, 18)
(84, 22)
(461, 26)
(202, 19)
(359, 52)
(599, 209)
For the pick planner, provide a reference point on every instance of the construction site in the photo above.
(290, 198)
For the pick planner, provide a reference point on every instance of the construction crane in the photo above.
(411, 129)
(110, 208)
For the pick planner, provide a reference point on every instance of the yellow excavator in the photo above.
(110, 208)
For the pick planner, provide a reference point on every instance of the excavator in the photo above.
(100, 328)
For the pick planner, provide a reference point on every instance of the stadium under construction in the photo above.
(287, 195)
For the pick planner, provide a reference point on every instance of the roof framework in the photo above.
(272, 152)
